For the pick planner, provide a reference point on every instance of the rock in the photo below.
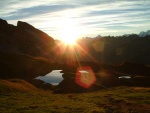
(42, 85)
(68, 85)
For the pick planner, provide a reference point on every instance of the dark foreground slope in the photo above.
(19, 96)
(23, 66)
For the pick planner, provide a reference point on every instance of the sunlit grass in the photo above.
(115, 100)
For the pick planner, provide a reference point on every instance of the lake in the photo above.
(127, 77)
(54, 77)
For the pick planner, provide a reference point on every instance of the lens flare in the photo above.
(85, 77)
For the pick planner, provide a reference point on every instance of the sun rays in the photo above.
(74, 54)
(73, 50)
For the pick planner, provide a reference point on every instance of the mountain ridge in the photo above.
(25, 39)
(143, 34)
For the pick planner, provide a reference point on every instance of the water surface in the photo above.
(127, 77)
(54, 77)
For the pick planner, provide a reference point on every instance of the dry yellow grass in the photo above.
(20, 96)
(16, 85)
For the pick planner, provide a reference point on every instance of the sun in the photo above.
(69, 36)
(70, 32)
(69, 41)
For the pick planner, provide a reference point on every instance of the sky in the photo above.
(79, 18)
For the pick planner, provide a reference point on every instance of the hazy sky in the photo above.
(79, 17)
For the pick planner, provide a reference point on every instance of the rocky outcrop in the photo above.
(69, 85)
(25, 39)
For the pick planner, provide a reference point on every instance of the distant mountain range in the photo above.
(27, 40)
(143, 34)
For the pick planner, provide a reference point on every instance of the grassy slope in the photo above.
(20, 96)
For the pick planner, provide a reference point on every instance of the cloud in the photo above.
(36, 10)
(92, 17)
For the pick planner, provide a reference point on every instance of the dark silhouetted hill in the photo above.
(25, 52)
(25, 39)
(115, 50)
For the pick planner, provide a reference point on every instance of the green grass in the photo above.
(20, 96)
